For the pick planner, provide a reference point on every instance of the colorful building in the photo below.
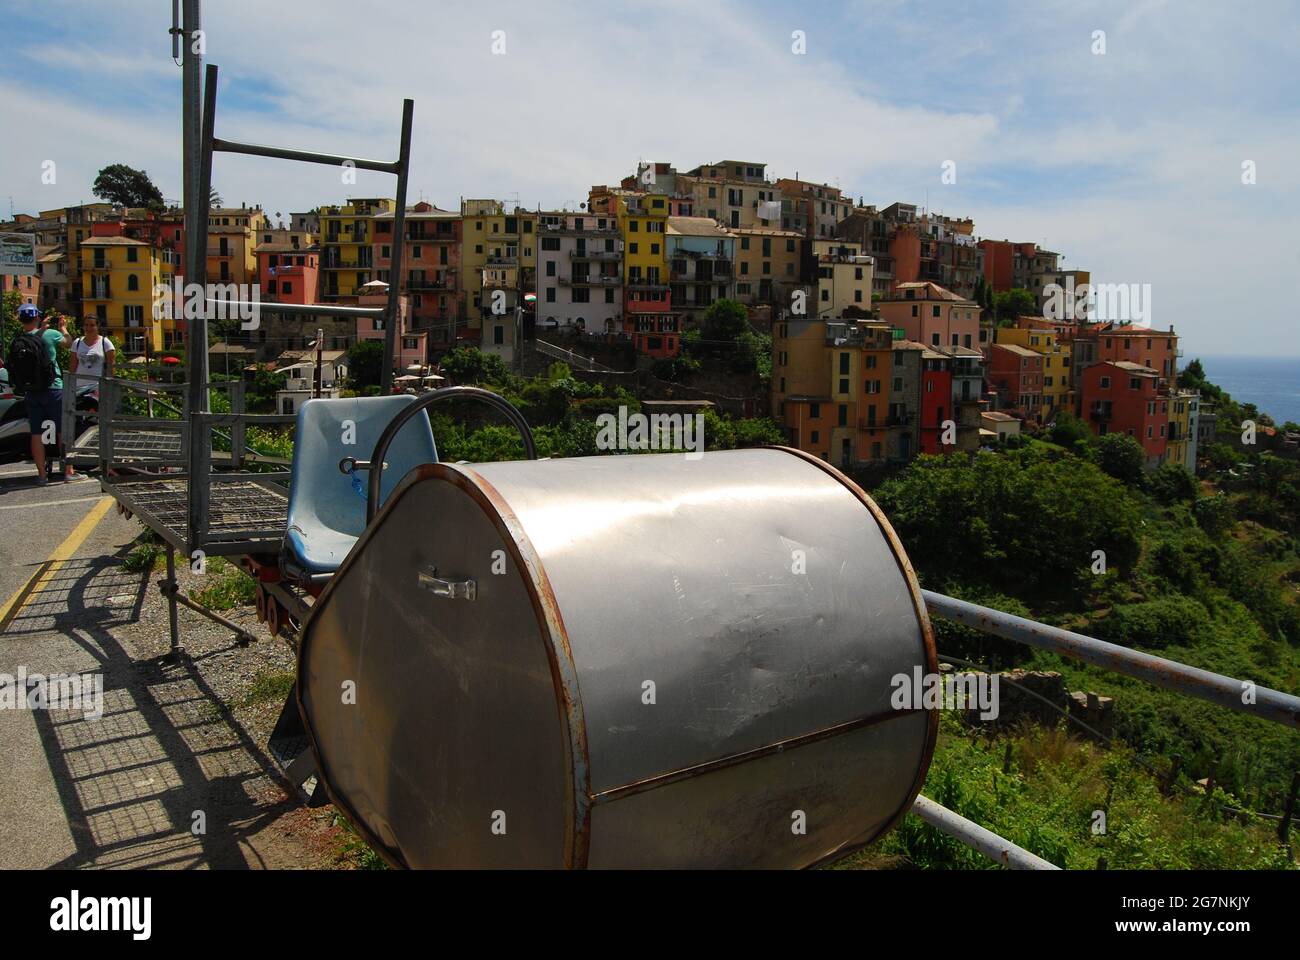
(769, 264)
(579, 274)
(831, 387)
(1058, 370)
(347, 250)
(701, 265)
(1119, 396)
(431, 267)
(119, 278)
(843, 279)
(498, 270)
(649, 317)
(933, 315)
(1016, 374)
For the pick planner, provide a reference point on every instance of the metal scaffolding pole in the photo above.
(977, 838)
(1239, 695)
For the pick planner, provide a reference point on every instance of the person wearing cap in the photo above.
(44, 406)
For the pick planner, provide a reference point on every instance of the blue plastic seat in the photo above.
(326, 514)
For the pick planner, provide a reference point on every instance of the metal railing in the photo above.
(1239, 695)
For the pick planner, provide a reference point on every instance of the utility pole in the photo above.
(320, 340)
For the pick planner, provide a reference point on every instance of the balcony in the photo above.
(100, 292)
(418, 285)
(595, 254)
(598, 280)
(636, 283)
(502, 261)
(1100, 416)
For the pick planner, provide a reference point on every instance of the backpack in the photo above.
(30, 367)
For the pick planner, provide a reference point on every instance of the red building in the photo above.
(1123, 397)
(431, 267)
(1155, 349)
(1016, 373)
(286, 273)
(936, 401)
(1000, 261)
(28, 287)
(648, 319)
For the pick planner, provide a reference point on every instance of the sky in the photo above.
(1129, 162)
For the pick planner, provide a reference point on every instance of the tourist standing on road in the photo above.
(33, 366)
(92, 357)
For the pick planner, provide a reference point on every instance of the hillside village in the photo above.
(875, 333)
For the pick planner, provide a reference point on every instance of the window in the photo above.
(550, 294)
(844, 414)
(550, 243)
(1105, 383)
(499, 335)
(814, 410)
(132, 282)
(844, 363)
(844, 385)
(1134, 383)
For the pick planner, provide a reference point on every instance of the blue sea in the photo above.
(1271, 383)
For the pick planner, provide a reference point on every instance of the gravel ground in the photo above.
(122, 789)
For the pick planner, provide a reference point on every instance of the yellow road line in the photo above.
(62, 553)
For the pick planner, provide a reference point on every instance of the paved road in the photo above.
(128, 787)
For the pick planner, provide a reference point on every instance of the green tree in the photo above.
(1010, 304)
(470, 365)
(1123, 458)
(365, 364)
(1171, 483)
(118, 183)
(1069, 431)
(723, 322)
(1020, 521)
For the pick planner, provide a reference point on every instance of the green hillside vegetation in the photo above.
(1206, 573)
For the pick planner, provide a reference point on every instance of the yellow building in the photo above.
(831, 387)
(346, 241)
(119, 278)
(1058, 389)
(643, 223)
(844, 278)
(767, 264)
(498, 266)
(1176, 446)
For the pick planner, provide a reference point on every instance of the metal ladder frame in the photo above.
(197, 240)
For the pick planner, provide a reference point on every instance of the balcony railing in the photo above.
(595, 254)
(596, 280)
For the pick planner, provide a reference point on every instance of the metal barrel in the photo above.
(629, 661)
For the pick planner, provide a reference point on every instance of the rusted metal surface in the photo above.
(771, 680)
(977, 838)
(1240, 695)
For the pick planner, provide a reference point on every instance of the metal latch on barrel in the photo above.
(451, 589)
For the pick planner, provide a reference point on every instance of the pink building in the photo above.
(286, 273)
(412, 345)
(431, 266)
(932, 315)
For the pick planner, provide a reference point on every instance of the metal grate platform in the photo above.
(245, 516)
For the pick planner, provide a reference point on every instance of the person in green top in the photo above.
(46, 406)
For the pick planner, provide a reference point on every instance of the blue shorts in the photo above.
(42, 406)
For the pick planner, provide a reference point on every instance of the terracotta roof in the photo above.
(932, 292)
(697, 227)
(112, 242)
(1133, 367)
(1017, 349)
